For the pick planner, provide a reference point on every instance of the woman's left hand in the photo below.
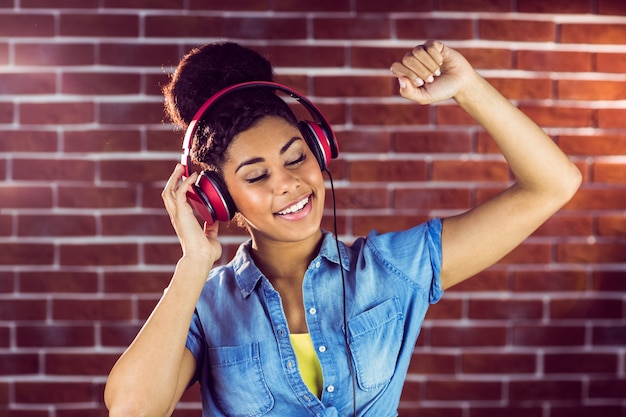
(432, 72)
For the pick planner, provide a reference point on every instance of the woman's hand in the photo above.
(195, 241)
(432, 72)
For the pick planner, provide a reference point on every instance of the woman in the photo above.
(298, 324)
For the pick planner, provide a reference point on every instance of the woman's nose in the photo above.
(285, 181)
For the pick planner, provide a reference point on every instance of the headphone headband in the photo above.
(317, 115)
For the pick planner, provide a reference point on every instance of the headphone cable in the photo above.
(343, 285)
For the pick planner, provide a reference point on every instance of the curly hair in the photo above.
(203, 72)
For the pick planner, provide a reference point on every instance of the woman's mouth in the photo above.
(295, 208)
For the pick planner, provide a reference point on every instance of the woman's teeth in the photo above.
(296, 207)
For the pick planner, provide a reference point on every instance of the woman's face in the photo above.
(275, 181)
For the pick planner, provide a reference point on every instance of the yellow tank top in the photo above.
(309, 364)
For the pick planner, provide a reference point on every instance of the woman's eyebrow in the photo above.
(283, 149)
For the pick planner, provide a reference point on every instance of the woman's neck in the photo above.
(280, 261)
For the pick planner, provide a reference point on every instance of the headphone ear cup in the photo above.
(218, 204)
(317, 141)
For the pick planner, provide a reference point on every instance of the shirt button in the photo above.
(317, 264)
(312, 310)
(330, 388)
(322, 349)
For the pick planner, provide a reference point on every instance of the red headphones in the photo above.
(209, 196)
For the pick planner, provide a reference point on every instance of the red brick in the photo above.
(264, 28)
(452, 390)
(559, 61)
(427, 199)
(387, 171)
(25, 197)
(136, 170)
(583, 363)
(17, 25)
(591, 90)
(549, 280)
(557, 116)
(523, 88)
(464, 336)
(136, 224)
(585, 308)
(498, 363)
(28, 83)
(19, 363)
(100, 24)
(166, 254)
(561, 225)
(49, 113)
(453, 115)
(100, 83)
(544, 390)
(606, 335)
(131, 113)
(97, 197)
(471, 5)
(609, 172)
(489, 280)
(54, 335)
(120, 335)
(432, 363)
(54, 54)
(58, 282)
(98, 254)
(145, 4)
(517, 30)
(136, 282)
(54, 169)
(161, 140)
(56, 225)
(612, 281)
(23, 309)
(505, 309)
(318, 6)
(473, 171)
(612, 225)
(438, 141)
(305, 55)
(488, 58)
(350, 86)
(108, 309)
(391, 114)
(351, 28)
(101, 140)
(445, 309)
(610, 62)
(584, 410)
(434, 28)
(28, 141)
(60, 4)
(611, 118)
(511, 410)
(363, 141)
(528, 253)
(362, 197)
(26, 254)
(393, 6)
(593, 33)
(591, 253)
(555, 6)
(540, 335)
(7, 282)
(597, 199)
(607, 388)
(79, 363)
(590, 145)
(138, 54)
(7, 112)
(49, 392)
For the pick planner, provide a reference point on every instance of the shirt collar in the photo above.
(248, 275)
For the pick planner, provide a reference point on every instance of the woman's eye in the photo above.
(297, 161)
(256, 179)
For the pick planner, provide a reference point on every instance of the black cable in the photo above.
(343, 286)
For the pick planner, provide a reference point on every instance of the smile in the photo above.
(296, 207)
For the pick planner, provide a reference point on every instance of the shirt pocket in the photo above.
(237, 381)
(375, 338)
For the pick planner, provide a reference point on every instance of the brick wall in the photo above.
(86, 247)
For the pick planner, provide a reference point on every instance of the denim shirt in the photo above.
(240, 339)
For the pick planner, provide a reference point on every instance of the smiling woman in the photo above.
(237, 329)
